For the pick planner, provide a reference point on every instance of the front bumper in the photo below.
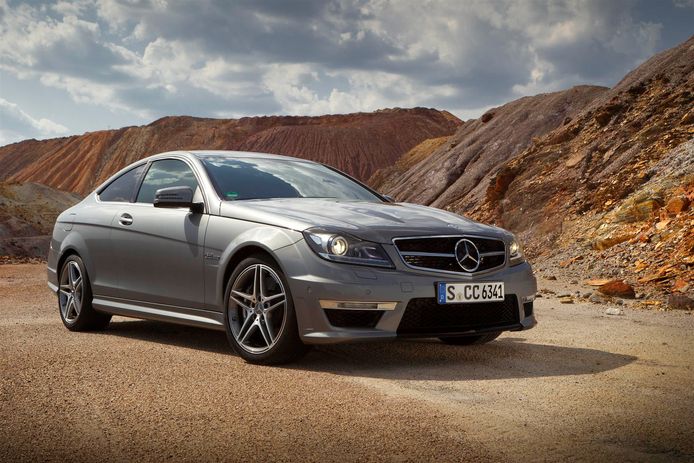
(312, 280)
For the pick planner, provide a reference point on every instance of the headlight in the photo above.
(515, 252)
(340, 247)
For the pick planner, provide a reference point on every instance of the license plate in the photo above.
(453, 293)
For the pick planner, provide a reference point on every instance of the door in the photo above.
(159, 252)
(95, 222)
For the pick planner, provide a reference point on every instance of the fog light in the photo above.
(357, 305)
(514, 248)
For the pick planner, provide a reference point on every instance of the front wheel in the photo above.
(471, 340)
(260, 319)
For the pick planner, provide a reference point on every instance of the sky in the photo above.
(68, 67)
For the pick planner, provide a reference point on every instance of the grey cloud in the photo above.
(284, 32)
(311, 32)
(214, 57)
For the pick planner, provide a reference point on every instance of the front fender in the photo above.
(248, 236)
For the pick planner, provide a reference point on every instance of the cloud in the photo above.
(16, 125)
(149, 58)
(32, 42)
(487, 51)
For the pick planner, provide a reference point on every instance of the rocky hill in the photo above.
(27, 214)
(438, 173)
(602, 190)
(356, 143)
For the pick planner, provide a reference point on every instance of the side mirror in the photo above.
(388, 198)
(176, 196)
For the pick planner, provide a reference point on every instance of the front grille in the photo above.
(426, 316)
(448, 264)
(438, 253)
(353, 318)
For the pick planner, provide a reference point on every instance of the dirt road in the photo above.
(582, 386)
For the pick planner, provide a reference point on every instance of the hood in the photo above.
(378, 222)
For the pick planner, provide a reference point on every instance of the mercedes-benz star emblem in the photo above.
(467, 255)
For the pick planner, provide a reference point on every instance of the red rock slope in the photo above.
(356, 143)
(461, 168)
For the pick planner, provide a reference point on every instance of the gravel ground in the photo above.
(582, 386)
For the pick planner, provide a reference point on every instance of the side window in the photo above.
(164, 174)
(122, 188)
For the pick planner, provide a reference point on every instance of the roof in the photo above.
(241, 155)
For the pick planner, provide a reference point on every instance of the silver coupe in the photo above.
(281, 253)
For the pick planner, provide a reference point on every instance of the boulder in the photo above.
(618, 288)
(638, 210)
(677, 204)
(603, 243)
(680, 302)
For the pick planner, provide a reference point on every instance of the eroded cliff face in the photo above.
(357, 143)
(460, 169)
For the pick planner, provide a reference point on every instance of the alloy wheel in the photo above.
(71, 291)
(257, 308)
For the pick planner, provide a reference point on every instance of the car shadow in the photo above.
(170, 334)
(508, 357)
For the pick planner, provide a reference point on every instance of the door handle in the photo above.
(126, 219)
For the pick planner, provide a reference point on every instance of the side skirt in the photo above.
(160, 312)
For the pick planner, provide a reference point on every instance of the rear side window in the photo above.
(122, 188)
(164, 174)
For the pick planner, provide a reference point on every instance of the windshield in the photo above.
(258, 178)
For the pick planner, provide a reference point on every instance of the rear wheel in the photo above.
(75, 298)
(260, 319)
(471, 340)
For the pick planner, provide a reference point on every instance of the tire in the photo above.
(259, 316)
(471, 340)
(75, 298)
